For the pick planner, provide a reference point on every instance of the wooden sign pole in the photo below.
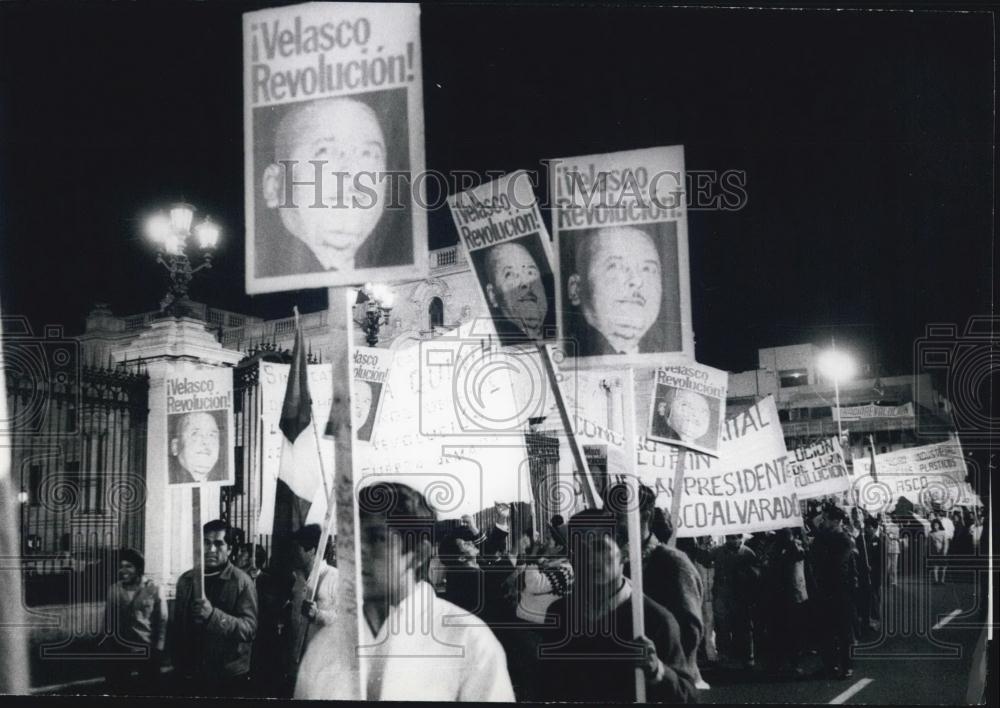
(634, 524)
(589, 490)
(197, 542)
(675, 496)
(349, 616)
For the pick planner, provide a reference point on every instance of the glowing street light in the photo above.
(171, 233)
(838, 366)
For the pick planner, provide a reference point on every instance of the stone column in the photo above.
(167, 533)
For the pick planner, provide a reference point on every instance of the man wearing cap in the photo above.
(135, 617)
(540, 584)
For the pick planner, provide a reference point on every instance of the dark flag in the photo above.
(300, 497)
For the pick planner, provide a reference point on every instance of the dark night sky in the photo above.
(867, 139)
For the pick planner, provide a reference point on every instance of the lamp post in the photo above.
(171, 233)
(378, 301)
(839, 366)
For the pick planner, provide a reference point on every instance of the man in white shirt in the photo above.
(310, 610)
(949, 529)
(413, 645)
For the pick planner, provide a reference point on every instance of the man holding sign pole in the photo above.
(592, 652)
(669, 576)
(211, 635)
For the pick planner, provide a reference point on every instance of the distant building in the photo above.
(897, 411)
(448, 297)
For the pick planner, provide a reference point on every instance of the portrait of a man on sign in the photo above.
(621, 291)
(197, 447)
(519, 288)
(332, 185)
(686, 418)
(364, 402)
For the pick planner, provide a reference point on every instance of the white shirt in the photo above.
(426, 650)
(949, 527)
(326, 603)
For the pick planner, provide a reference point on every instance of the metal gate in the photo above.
(239, 505)
(78, 453)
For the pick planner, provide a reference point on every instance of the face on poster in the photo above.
(370, 369)
(199, 414)
(333, 114)
(689, 406)
(508, 248)
(622, 284)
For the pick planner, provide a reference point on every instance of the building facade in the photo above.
(894, 412)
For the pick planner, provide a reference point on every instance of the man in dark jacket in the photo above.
(875, 549)
(668, 575)
(591, 651)
(212, 636)
(736, 577)
(836, 582)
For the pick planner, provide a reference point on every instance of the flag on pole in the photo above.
(871, 450)
(300, 496)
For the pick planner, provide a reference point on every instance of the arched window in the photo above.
(436, 312)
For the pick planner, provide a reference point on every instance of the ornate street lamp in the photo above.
(171, 233)
(378, 301)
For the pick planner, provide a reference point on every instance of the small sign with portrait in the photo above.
(689, 407)
(199, 411)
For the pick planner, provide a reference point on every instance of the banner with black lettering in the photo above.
(849, 414)
(819, 469)
(688, 406)
(747, 487)
(507, 245)
(334, 140)
(621, 248)
(199, 427)
(930, 475)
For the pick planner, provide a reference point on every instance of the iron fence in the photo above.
(78, 452)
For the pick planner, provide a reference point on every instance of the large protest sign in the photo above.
(508, 248)
(273, 380)
(819, 469)
(746, 487)
(622, 284)
(449, 427)
(688, 406)
(370, 372)
(749, 488)
(199, 414)
(333, 126)
(929, 475)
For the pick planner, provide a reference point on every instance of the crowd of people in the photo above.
(479, 615)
